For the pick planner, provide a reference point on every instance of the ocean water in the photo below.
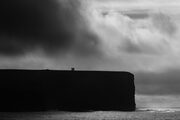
(140, 114)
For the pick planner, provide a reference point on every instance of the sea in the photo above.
(139, 114)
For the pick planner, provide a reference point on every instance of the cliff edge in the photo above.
(41, 90)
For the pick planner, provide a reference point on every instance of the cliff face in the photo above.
(37, 90)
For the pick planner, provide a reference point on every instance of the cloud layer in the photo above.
(146, 38)
(49, 25)
(122, 38)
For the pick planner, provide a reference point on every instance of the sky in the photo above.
(139, 36)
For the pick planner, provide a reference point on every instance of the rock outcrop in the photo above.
(41, 90)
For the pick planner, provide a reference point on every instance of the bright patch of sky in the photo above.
(142, 34)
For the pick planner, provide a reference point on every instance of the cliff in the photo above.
(41, 90)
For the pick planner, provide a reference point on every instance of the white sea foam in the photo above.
(163, 110)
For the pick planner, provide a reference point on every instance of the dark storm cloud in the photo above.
(50, 25)
(130, 47)
(141, 48)
(158, 83)
(137, 14)
(164, 23)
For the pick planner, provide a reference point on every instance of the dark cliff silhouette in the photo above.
(41, 90)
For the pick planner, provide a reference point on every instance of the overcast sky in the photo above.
(140, 36)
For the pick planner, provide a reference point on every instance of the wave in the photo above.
(159, 109)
